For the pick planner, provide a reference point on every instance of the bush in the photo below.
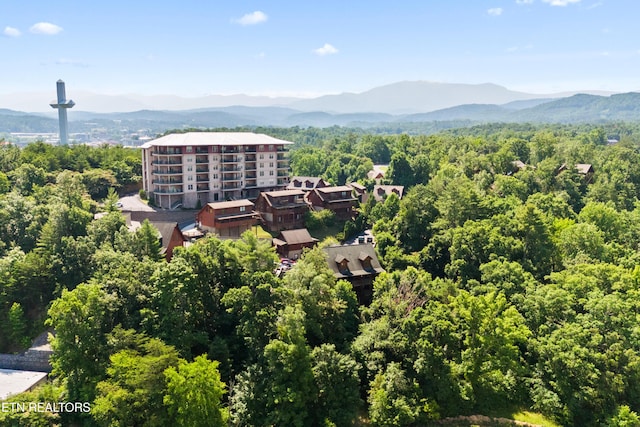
(317, 220)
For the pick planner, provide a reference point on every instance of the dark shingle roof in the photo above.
(361, 260)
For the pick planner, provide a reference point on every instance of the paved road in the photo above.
(134, 204)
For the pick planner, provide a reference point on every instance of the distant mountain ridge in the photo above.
(408, 97)
(579, 108)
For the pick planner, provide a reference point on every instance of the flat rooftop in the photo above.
(215, 138)
(15, 382)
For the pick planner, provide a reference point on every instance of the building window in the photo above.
(261, 147)
(261, 156)
(190, 178)
(189, 149)
(270, 164)
(190, 187)
(261, 165)
(271, 156)
(189, 168)
(243, 208)
(270, 173)
(215, 176)
(261, 173)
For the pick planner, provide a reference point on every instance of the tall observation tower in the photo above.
(61, 105)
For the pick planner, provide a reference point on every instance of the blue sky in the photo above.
(198, 47)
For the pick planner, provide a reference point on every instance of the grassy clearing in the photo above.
(534, 418)
(260, 232)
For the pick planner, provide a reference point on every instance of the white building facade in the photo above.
(195, 168)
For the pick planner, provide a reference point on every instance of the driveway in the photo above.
(133, 203)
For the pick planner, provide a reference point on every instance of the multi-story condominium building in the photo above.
(195, 168)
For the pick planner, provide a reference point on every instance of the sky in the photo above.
(310, 48)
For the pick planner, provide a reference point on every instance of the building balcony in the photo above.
(250, 149)
(230, 160)
(202, 187)
(202, 159)
(250, 157)
(231, 186)
(229, 150)
(166, 181)
(227, 178)
(200, 178)
(202, 150)
(202, 169)
(231, 168)
(166, 151)
(172, 190)
(177, 161)
(168, 171)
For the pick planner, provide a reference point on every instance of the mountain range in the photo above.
(386, 106)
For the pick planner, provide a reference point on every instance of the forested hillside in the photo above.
(509, 288)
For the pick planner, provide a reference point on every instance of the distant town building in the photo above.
(195, 168)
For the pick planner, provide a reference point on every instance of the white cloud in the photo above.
(495, 11)
(11, 32)
(261, 55)
(252, 18)
(561, 2)
(524, 1)
(327, 49)
(45, 28)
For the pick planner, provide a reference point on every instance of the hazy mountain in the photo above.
(585, 108)
(477, 112)
(413, 97)
(572, 109)
(99, 103)
(398, 98)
